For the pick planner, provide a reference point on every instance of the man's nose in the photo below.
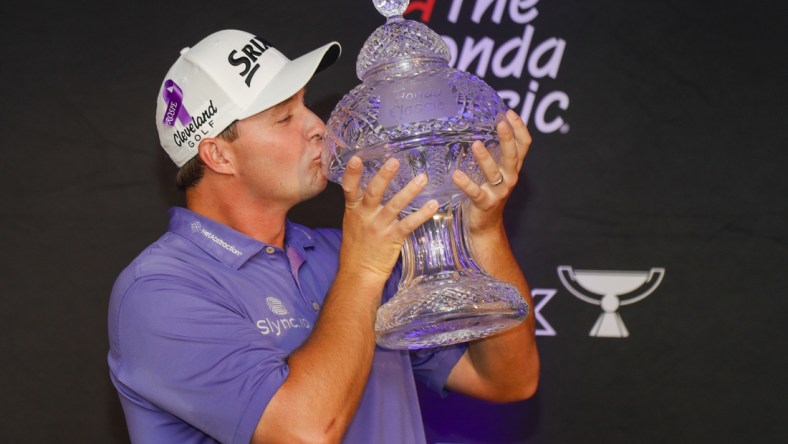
(316, 127)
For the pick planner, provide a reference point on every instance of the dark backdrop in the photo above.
(671, 154)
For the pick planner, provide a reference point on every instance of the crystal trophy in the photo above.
(411, 105)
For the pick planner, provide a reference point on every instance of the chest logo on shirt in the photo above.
(276, 306)
(279, 325)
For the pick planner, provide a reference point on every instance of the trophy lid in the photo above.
(398, 40)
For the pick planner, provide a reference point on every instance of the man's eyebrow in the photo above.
(282, 104)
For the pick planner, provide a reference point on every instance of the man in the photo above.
(240, 326)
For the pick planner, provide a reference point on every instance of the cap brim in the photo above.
(293, 76)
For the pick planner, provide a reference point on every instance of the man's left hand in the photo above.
(484, 212)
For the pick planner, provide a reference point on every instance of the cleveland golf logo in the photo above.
(247, 57)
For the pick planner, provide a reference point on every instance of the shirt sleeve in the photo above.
(431, 366)
(186, 349)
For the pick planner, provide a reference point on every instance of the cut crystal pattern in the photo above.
(413, 107)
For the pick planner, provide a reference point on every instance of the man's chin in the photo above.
(318, 186)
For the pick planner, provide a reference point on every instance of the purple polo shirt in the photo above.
(201, 324)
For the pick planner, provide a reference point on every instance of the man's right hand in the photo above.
(372, 233)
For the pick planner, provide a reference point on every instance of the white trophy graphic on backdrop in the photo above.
(610, 289)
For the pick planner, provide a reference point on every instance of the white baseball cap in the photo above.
(228, 76)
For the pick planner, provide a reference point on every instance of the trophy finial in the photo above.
(399, 39)
(391, 8)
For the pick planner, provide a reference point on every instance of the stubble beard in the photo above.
(312, 183)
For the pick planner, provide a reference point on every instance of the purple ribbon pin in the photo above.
(173, 95)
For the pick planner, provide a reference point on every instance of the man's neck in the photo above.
(260, 221)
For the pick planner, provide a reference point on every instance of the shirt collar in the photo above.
(298, 236)
(226, 244)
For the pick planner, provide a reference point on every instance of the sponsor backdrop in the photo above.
(651, 218)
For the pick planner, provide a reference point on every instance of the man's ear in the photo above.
(216, 155)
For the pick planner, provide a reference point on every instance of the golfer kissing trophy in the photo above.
(414, 107)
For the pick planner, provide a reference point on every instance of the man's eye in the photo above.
(286, 118)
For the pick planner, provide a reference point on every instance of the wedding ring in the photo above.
(497, 182)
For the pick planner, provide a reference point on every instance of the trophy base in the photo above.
(448, 308)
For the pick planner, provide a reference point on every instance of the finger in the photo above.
(487, 164)
(415, 219)
(377, 186)
(350, 181)
(468, 186)
(405, 196)
(522, 136)
(509, 153)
